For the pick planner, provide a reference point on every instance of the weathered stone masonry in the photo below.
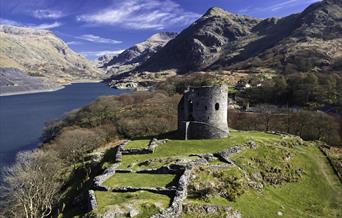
(203, 112)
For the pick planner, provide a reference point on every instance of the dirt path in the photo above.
(328, 172)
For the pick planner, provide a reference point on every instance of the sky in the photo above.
(98, 27)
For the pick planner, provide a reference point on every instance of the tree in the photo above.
(31, 185)
(280, 90)
(266, 112)
(74, 143)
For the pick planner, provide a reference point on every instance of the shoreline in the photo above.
(31, 91)
(48, 90)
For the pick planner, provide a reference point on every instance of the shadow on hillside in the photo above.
(168, 135)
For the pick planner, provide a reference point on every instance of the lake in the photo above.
(22, 117)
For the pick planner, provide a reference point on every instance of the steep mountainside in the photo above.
(142, 51)
(137, 54)
(104, 59)
(304, 42)
(40, 54)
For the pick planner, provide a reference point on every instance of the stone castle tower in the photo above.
(202, 113)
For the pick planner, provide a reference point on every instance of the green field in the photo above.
(282, 176)
(139, 180)
(137, 144)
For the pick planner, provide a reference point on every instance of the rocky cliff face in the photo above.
(304, 42)
(41, 54)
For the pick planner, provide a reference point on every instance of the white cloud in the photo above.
(142, 14)
(74, 43)
(46, 25)
(277, 6)
(48, 14)
(98, 39)
(96, 54)
(35, 26)
(289, 3)
(284, 4)
(9, 22)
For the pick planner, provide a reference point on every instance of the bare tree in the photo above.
(31, 185)
(74, 143)
(266, 112)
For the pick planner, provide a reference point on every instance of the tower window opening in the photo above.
(217, 106)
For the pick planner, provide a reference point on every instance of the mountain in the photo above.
(104, 59)
(40, 55)
(142, 51)
(303, 42)
(132, 57)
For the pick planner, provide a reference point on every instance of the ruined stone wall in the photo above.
(206, 108)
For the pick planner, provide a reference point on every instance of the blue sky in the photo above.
(95, 27)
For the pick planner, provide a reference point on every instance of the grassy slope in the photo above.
(42, 52)
(316, 194)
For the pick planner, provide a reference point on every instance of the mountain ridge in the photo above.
(220, 39)
(140, 52)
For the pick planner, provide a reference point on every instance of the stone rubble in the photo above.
(179, 192)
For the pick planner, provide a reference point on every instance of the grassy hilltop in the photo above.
(281, 176)
(270, 175)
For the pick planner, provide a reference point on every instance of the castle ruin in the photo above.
(202, 113)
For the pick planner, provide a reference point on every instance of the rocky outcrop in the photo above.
(211, 210)
(92, 200)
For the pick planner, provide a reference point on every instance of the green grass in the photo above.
(232, 90)
(274, 163)
(214, 200)
(183, 148)
(146, 202)
(209, 184)
(139, 180)
(317, 194)
(137, 144)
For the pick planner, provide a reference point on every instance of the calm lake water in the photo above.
(22, 117)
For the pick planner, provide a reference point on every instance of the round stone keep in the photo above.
(203, 112)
